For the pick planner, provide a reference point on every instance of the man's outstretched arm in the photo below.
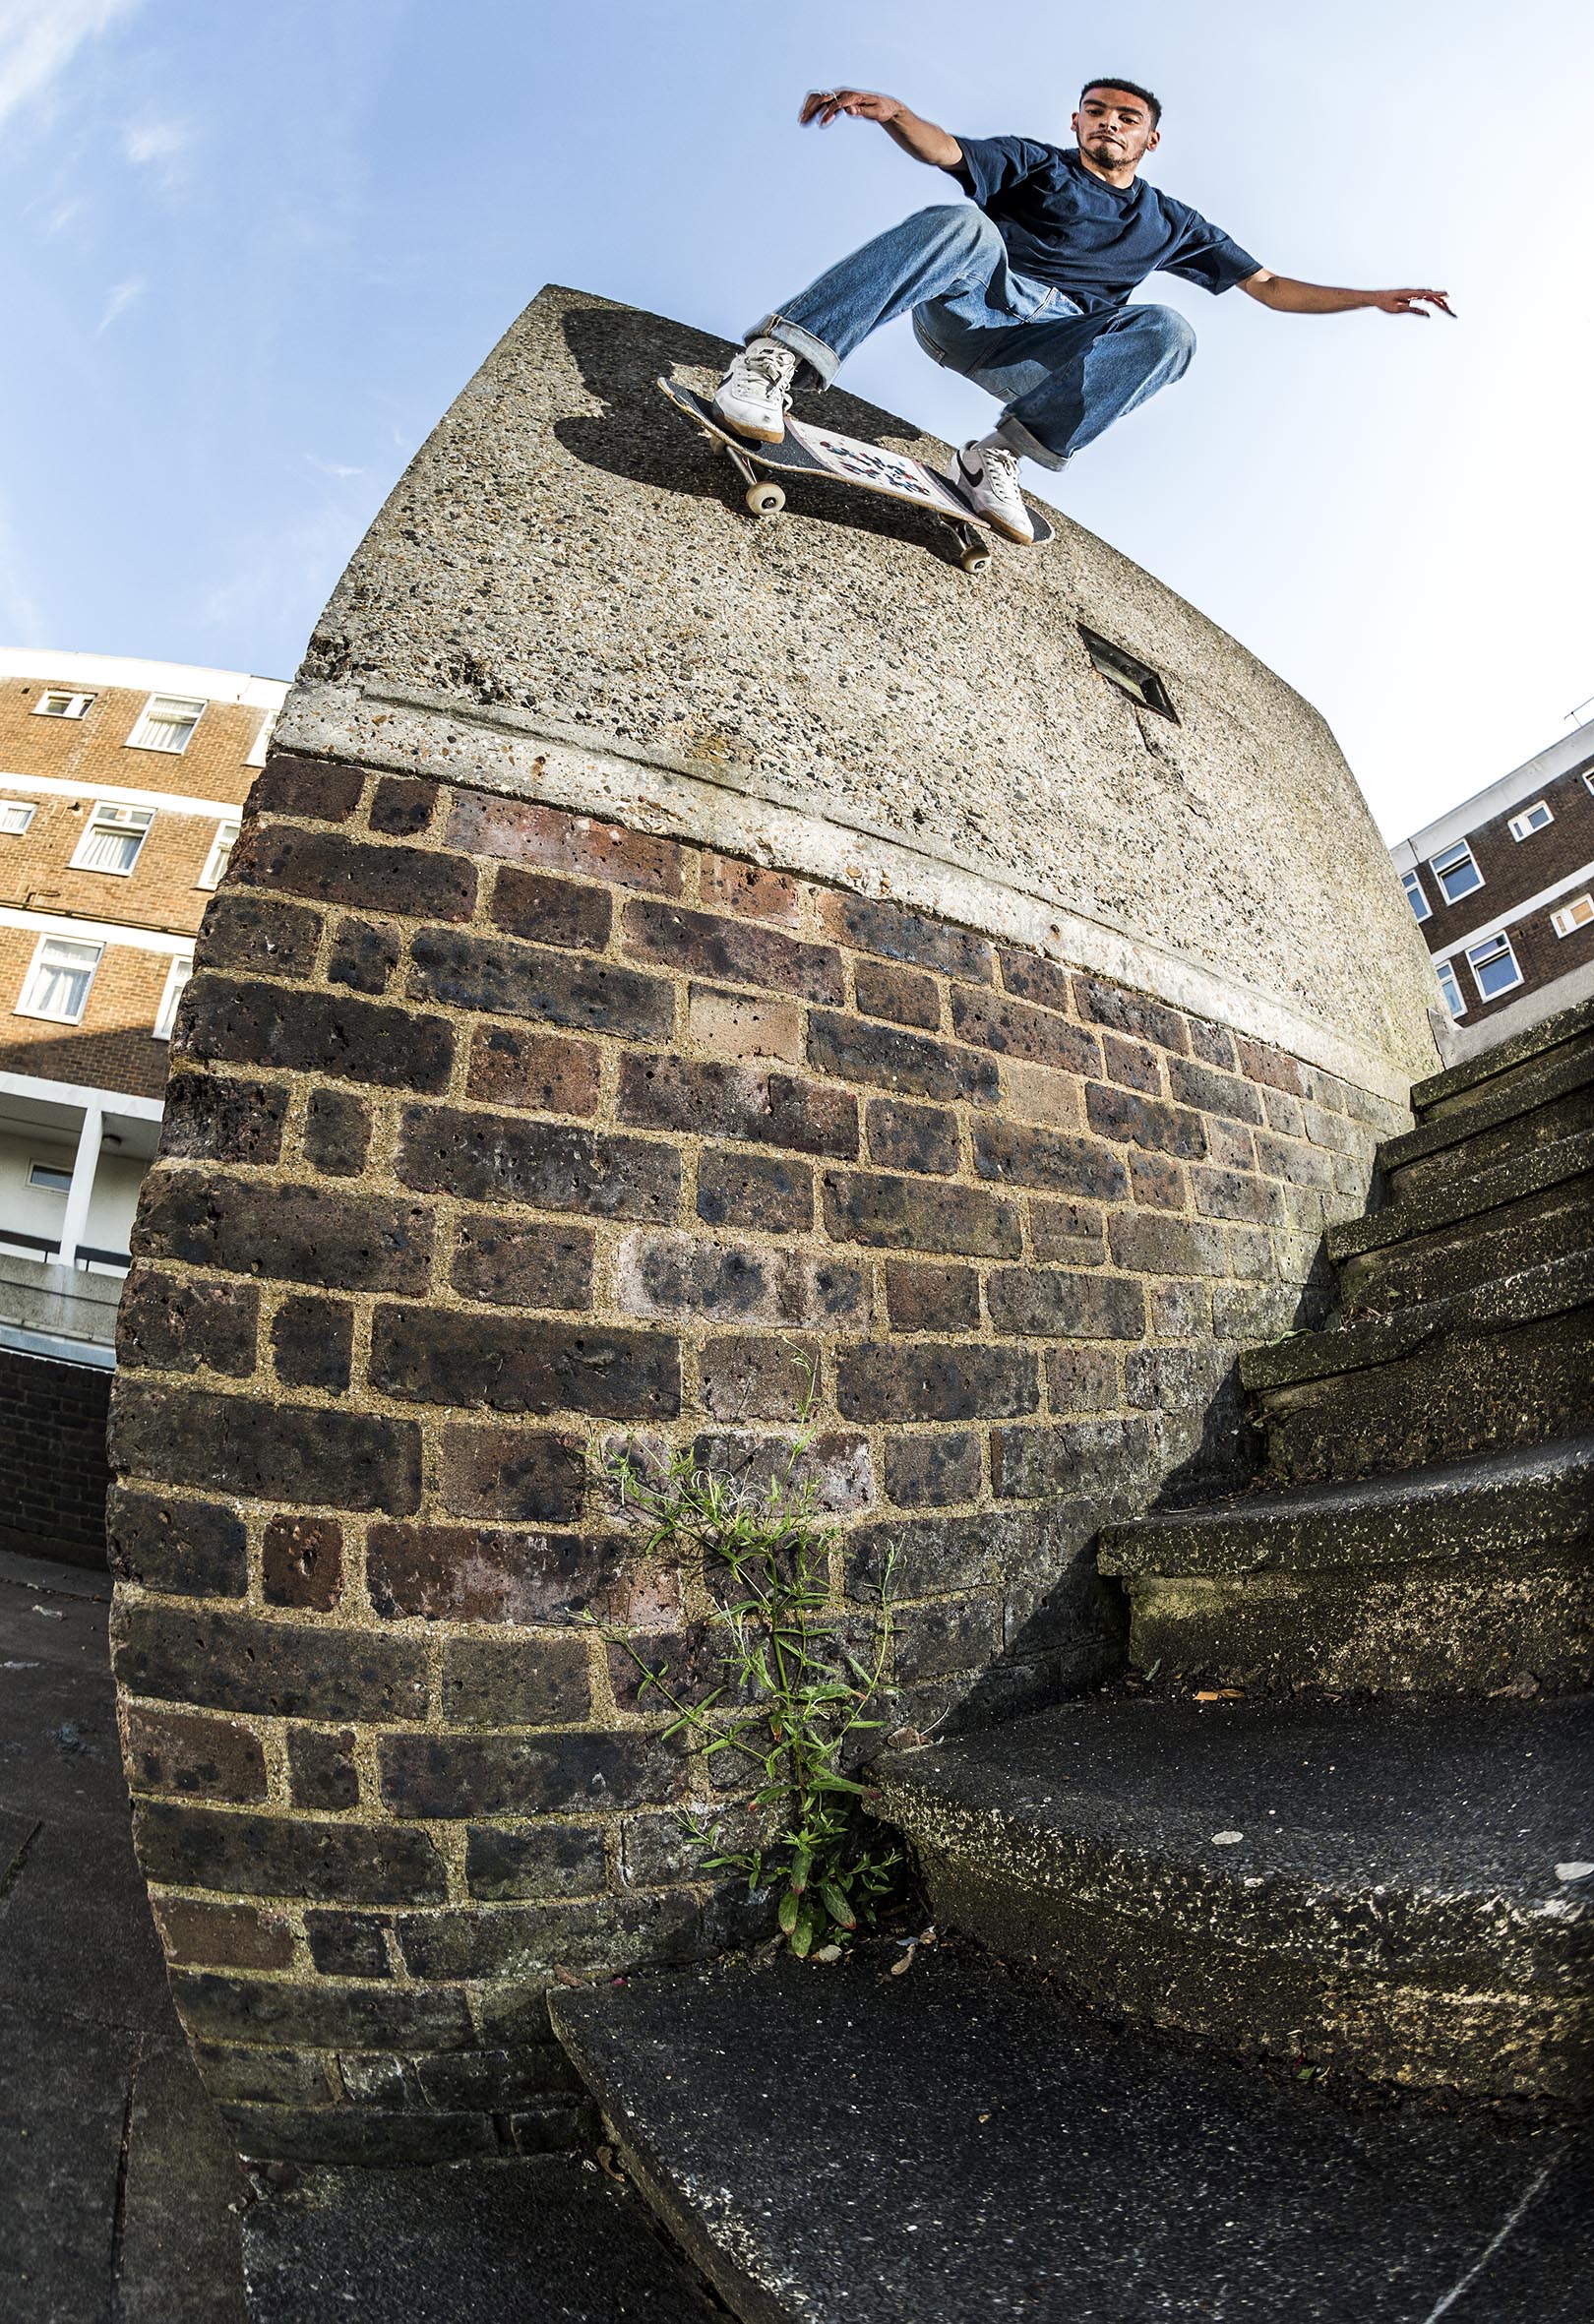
(922, 139)
(1286, 296)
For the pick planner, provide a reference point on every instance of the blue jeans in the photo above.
(1060, 375)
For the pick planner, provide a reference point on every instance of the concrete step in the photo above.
(1553, 1098)
(1507, 1064)
(1459, 1578)
(1536, 1207)
(1371, 1885)
(1504, 1362)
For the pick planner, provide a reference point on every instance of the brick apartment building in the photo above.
(1502, 886)
(120, 788)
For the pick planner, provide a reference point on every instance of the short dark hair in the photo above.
(1116, 81)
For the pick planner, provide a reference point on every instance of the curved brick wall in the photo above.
(499, 1130)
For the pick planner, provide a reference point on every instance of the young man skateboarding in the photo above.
(1023, 288)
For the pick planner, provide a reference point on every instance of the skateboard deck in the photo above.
(810, 450)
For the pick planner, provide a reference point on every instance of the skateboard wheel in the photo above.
(974, 560)
(765, 499)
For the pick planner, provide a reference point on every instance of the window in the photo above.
(1411, 882)
(1532, 819)
(167, 723)
(1494, 965)
(113, 839)
(58, 981)
(258, 747)
(14, 817)
(1454, 1000)
(1579, 913)
(215, 863)
(1135, 679)
(52, 1179)
(1456, 873)
(56, 703)
(177, 975)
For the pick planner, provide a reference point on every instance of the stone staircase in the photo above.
(1342, 1832)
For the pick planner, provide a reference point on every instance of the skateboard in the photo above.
(809, 450)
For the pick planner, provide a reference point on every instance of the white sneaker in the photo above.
(753, 396)
(989, 475)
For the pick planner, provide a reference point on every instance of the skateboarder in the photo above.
(1023, 288)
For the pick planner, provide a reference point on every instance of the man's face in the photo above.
(1113, 129)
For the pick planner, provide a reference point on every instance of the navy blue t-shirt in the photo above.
(1063, 224)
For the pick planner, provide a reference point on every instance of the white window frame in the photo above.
(51, 1172)
(174, 706)
(24, 808)
(1492, 945)
(1579, 913)
(261, 742)
(1449, 985)
(1522, 826)
(177, 976)
(1461, 847)
(76, 705)
(1417, 895)
(57, 1016)
(222, 847)
(123, 821)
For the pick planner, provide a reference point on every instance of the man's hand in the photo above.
(1286, 296)
(922, 139)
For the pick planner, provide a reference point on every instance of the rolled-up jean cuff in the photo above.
(822, 361)
(1018, 438)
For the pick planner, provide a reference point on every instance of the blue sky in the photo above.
(249, 254)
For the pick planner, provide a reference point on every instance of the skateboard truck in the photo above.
(765, 498)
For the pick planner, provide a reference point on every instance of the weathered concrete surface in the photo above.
(1543, 1208)
(1504, 1061)
(1550, 1099)
(1371, 1884)
(565, 565)
(961, 2144)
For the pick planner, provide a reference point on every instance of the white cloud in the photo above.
(38, 40)
(120, 299)
(332, 467)
(162, 145)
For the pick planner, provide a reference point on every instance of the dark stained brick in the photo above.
(331, 1033)
(871, 925)
(923, 1380)
(1156, 1180)
(933, 1470)
(305, 1234)
(1131, 1063)
(332, 869)
(1013, 1029)
(401, 808)
(931, 1554)
(1049, 1302)
(1129, 1012)
(1053, 1161)
(321, 1769)
(313, 1343)
(732, 952)
(349, 1944)
(1300, 1165)
(516, 1681)
(1212, 1044)
(749, 1102)
(1154, 1245)
(194, 1548)
(541, 1072)
(201, 1758)
(302, 1562)
(525, 1474)
(523, 1263)
(927, 1641)
(911, 1214)
(165, 1434)
(904, 995)
(212, 1120)
(498, 1158)
(1261, 1061)
(518, 831)
(173, 1324)
(1068, 1231)
(363, 957)
(1082, 1379)
(1226, 1194)
(435, 1356)
(215, 1936)
(745, 1376)
(236, 1662)
(470, 1775)
(750, 890)
(930, 1298)
(855, 1049)
(1230, 1146)
(699, 1275)
(507, 978)
(523, 1943)
(903, 1136)
(1212, 1092)
(1079, 1456)
(547, 1860)
(770, 1192)
(337, 1133)
(321, 2016)
(315, 788)
(549, 910)
(1029, 976)
(244, 931)
(474, 1574)
(271, 1856)
(1145, 1122)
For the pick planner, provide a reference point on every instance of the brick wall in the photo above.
(496, 1134)
(52, 1456)
(94, 748)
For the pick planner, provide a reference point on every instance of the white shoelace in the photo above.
(1001, 471)
(768, 367)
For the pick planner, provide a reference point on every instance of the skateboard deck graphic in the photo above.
(810, 450)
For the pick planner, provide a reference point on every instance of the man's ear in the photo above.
(1153, 140)
(1074, 124)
